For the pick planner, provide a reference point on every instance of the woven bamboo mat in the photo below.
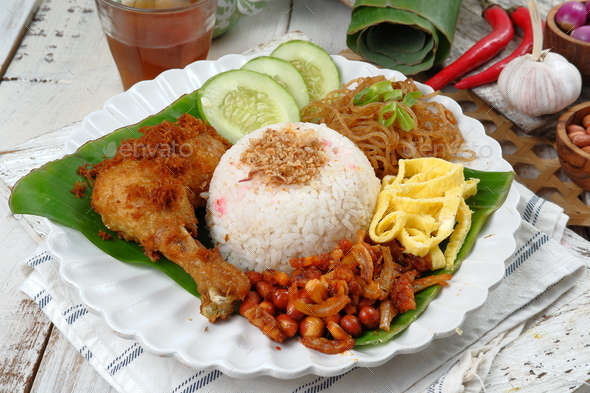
(533, 158)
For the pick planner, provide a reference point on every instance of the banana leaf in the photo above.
(46, 192)
(409, 36)
(492, 191)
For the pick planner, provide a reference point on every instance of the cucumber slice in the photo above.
(283, 72)
(313, 63)
(238, 102)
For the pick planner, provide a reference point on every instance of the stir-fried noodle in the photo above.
(435, 132)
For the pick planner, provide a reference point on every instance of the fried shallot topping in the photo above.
(104, 236)
(285, 157)
(79, 189)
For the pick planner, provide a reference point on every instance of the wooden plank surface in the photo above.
(553, 354)
(24, 329)
(63, 369)
(64, 69)
(269, 24)
(15, 17)
(33, 356)
(325, 22)
(61, 71)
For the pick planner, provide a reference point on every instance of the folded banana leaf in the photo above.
(409, 36)
(46, 192)
(492, 190)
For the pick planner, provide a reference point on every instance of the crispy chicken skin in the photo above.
(147, 193)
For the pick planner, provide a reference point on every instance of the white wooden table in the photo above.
(56, 67)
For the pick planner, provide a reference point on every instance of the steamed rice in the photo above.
(259, 225)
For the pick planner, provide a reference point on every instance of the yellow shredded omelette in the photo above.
(424, 205)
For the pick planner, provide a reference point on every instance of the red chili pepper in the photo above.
(482, 51)
(521, 18)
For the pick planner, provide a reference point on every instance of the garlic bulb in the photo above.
(540, 87)
(542, 82)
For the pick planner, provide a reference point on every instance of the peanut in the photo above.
(369, 317)
(352, 325)
(580, 134)
(251, 300)
(574, 129)
(264, 288)
(311, 327)
(269, 307)
(581, 140)
(288, 324)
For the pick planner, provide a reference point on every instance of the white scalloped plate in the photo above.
(142, 303)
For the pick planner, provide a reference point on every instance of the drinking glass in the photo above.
(148, 37)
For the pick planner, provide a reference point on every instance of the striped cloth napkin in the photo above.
(537, 274)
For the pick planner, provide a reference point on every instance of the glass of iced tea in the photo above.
(147, 37)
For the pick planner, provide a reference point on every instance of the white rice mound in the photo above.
(258, 226)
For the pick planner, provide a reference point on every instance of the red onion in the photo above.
(582, 33)
(571, 15)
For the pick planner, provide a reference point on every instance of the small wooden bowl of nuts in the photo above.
(572, 141)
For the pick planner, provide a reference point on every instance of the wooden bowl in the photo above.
(575, 51)
(574, 161)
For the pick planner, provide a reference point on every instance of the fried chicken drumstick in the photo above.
(147, 193)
